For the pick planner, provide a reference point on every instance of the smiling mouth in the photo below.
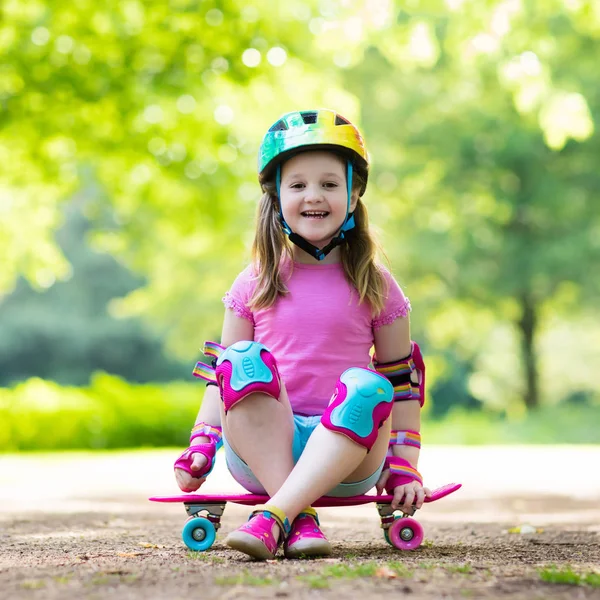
(315, 214)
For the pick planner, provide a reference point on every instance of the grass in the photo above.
(246, 578)
(205, 557)
(567, 576)
(317, 582)
(464, 569)
(353, 571)
(33, 584)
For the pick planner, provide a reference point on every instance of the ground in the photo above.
(80, 526)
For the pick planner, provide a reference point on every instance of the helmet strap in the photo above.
(302, 243)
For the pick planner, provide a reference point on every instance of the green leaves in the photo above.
(479, 118)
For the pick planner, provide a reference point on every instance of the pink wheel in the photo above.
(405, 534)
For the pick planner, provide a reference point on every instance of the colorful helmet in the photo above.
(320, 129)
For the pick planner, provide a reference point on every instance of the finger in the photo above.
(408, 500)
(186, 482)
(183, 480)
(398, 495)
(380, 485)
(427, 492)
(193, 484)
(199, 460)
(420, 497)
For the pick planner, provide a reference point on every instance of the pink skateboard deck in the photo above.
(205, 512)
(325, 501)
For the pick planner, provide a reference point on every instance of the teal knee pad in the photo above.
(244, 368)
(362, 401)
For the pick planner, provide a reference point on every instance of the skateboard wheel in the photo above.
(386, 532)
(198, 534)
(405, 534)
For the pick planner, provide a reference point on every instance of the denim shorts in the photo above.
(303, 428)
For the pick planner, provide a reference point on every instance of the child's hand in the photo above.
(185, 481)
(412, 493)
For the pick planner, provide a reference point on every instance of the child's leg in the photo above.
(256, 415)
(328, 459)
(260, 430)
(330, 455)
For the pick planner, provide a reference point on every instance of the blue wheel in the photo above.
(198, 534)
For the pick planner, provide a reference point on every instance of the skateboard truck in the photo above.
(213, 511)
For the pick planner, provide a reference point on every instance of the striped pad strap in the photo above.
(213, 349)
(214, 432)
(406, 437)
(205, 371)
(406, 471)
(399, 374)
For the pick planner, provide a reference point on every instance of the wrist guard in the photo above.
(207, 449)
(401, 473)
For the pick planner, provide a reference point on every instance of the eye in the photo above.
(297, 186)
(330, 184)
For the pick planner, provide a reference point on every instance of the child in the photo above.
(299, 325)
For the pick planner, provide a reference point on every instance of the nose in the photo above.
(313, 193)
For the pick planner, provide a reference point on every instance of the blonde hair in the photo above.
(271, 248)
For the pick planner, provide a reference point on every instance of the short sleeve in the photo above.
(238, 296)
(396, 303)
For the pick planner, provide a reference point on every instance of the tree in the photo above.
(67, 333)
(491, 115)
(163, 105)
(479, 117)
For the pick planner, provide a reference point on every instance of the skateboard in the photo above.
(205, 512)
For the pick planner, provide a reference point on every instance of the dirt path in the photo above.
(79, 526)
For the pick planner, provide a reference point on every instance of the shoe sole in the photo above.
(248, 544)
(309, 548)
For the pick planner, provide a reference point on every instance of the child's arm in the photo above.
(235, 329)
(392, 343)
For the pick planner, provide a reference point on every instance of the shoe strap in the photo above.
(309, 511)
(268, 510)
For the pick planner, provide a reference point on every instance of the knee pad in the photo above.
(362, 401)
(244, 368)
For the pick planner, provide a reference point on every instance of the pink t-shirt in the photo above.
(318, 330)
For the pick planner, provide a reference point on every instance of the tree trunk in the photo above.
(528, 325)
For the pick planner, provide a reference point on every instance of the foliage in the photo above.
(490, 165)
(565, 423)
(479, 118)
(67, 332)
(110, 413)
(163, 105)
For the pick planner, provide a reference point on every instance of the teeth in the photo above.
(312, 213)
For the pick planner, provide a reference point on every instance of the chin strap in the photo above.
(298, 240)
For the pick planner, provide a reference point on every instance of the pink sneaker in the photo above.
(255, 537)
(306, 537)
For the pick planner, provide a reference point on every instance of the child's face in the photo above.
(314, 195)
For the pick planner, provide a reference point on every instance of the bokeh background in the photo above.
(128, 140)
